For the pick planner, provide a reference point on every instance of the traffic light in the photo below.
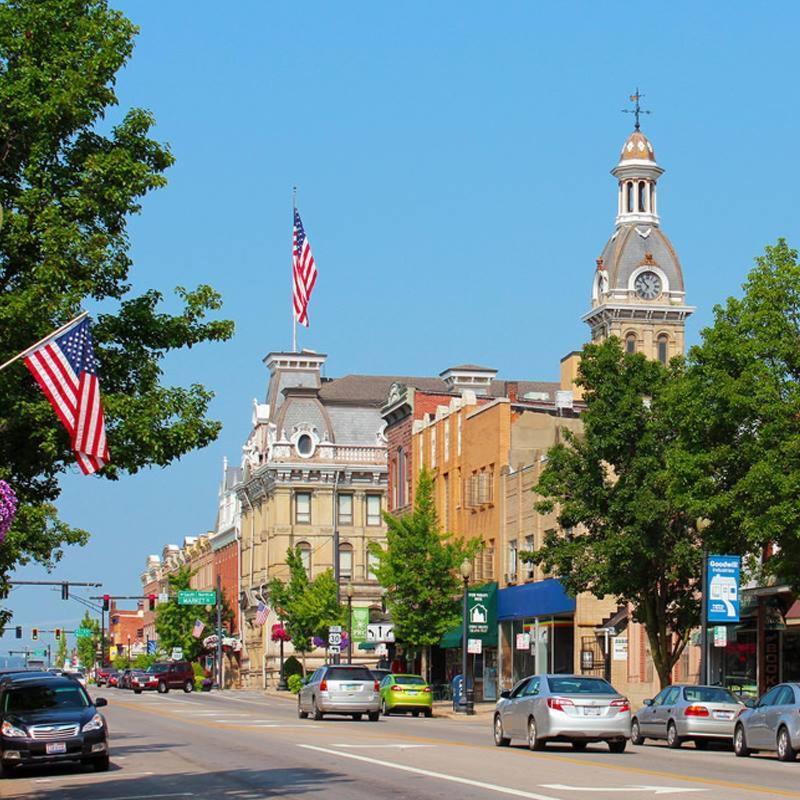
(106, 602)
(58, 633)
(19, 631)
(152, 600)
(65, 591)
(34, 634)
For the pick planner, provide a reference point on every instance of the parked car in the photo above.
(341, 689)
(683, 712)
(563, 708)
(101, 675)
(380, 673)
(123, 681)
(167, 675)
(113, 678)
(773, 723)
(50, 720)
(406, 693)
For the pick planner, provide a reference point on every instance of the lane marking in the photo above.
(492, 787)
(147, 796)
(618, 789)
(382, 746)
(110, 776)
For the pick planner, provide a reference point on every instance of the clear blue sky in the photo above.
(453, 166)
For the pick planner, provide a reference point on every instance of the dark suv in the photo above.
(165, 676)
(50, 720)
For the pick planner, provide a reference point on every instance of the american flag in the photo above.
(198, 628)
(66, 370)
(304, 271)
(262, 612)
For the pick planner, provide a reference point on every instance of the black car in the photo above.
(48, 720)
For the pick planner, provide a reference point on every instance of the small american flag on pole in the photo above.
(198, 628)
(65, 368)
(262, 612)
(304, 270)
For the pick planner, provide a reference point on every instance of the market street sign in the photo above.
(482, 614)
(83, 633)
(723, 588)
(189, 597)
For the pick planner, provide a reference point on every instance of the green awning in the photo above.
(451, 638)
(366, 645)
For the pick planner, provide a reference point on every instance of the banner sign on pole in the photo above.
(360, 624)
(723, 588)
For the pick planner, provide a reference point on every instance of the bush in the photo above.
(292, 667)
(295, 683)
(199, 676)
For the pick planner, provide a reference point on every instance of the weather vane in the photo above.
(637, 109)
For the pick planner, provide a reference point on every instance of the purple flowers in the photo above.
(8, 508)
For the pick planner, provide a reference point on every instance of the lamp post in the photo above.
(701, 525)
(129, 650)
(469, 703)
(349, 591)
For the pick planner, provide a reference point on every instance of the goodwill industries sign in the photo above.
(723, 588)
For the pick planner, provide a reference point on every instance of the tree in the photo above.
(69, 181)
(175, 622)
(307, 607)
(741, 407)
(88, 646)
(61, 650)
(419, 570)
(626, 531)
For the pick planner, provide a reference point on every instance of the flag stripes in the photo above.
(304, 271)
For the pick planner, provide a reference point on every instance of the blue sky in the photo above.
(452, 161)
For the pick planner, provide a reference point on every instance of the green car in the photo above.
(402, 693)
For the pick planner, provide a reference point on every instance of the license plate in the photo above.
(590, 711)
(55, 747)
(723, 715)
(352, 687)
(411, 691)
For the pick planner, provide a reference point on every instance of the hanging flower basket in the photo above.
(8, 508)
(279, 633)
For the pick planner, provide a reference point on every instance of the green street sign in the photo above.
(83, 633)
(360, 624)
(482, 613)
(189, 597)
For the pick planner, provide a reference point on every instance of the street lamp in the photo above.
(129, 650)
(468, 695)
(349, 591)
(701, 525)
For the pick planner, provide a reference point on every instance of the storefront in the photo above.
(537, 631)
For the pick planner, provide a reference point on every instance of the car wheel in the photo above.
(636, 733)
(415, 713)
(785, 750)
(6, 770)
(316, 713)
(374, 716)
(137, 691)
(578, 745)
(300, 713)
(500, 739)
(740, 742)
(188, 687)
(617, 745)
(384, 709)
(162, 687)
(101, 764)
(428, 712)
(534, 742)
(701, 744)
(673, 740)
(357, 717)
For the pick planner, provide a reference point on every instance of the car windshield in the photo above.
(708, 694)
(413, 680)
(41, 698)
(580, 686)
(349, 674)
(153, 668)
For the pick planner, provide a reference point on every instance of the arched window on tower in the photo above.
(629, 199)
(630, 343)
(663, 348)
(642, 196)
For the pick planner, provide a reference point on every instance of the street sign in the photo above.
(163, 597)
(475, 646)
(720, 636)
(334, 649)
(334, 638)
(190, 597)
(723, 588)
(380, 632)
(177, 653)
(83, 633)
(360, 624)
(152, 647)
(620, 648)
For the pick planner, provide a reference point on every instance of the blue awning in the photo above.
(537, 599)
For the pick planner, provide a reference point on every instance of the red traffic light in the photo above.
(106, 602)
(152, 600)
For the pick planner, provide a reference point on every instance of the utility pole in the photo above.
(219, 632)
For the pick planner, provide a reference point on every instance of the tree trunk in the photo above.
(664, 651)
(424, 661)
(303, 659)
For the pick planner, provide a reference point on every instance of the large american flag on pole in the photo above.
(304, 271)
(66, 370)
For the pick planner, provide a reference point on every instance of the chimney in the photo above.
(512, 389)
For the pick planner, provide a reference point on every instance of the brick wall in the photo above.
(226, 565)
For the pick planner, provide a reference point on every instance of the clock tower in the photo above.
(638, 292)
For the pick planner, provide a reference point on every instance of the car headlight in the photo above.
(94, 724)
(12, 731)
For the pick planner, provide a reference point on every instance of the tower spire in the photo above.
(637, 108)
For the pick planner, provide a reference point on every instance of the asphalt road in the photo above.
(242, 746)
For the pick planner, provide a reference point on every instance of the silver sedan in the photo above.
(772, 724)
(683, 712)
(563, 708)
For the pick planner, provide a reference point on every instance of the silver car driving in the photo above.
(563, 708)
(340, 689)
(772, 724)
(683, 712)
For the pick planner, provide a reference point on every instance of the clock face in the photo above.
(648, 285)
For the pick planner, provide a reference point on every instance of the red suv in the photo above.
(165, 676)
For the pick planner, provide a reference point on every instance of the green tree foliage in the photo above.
(174, 622)
(61, 651)
(69, 182)
(307, 607)
(628, 532)
(419, 570)
(88, 646)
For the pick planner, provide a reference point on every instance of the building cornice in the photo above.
(607, 312)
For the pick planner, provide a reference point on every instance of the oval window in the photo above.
(305, 446)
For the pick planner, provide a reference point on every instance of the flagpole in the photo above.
(294, 315)
(43, 340)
